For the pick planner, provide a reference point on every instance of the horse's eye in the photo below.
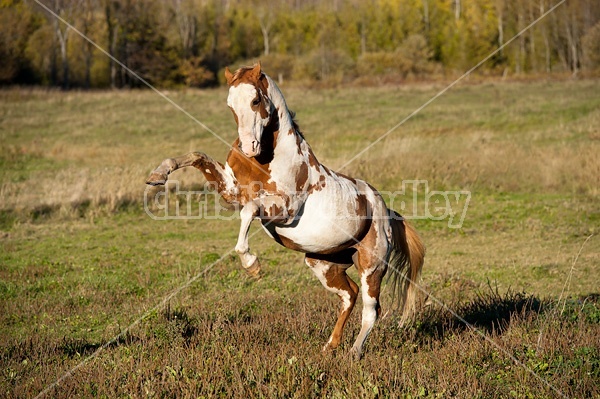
(256, 101)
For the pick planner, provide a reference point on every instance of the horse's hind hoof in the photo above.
(254, 270)
(355, 354)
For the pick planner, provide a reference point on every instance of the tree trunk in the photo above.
(544, 30)
(520, 64)
(265, 33)
(532, 51)
(87, 47)
(456, 10)
(500, 31)
(88, 70)
(571, 34)
(363, 36)
(62, 39)
(54, 59)
(187, 24)
(265, 20)
(110, 30)
(426, 16)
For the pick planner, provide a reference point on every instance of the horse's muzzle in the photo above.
(253, 151)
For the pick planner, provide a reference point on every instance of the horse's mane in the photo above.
(295, 124)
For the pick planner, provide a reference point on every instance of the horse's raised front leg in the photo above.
(213, 171)
(160, 175)
(228, 188)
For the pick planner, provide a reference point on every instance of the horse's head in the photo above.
(251, 106)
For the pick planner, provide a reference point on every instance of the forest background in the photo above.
(187, 43)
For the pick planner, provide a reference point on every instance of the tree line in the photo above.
(174, 43)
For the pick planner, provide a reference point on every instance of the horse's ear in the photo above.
(228, 76)
(256, 71)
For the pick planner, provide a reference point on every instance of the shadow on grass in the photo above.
(489, 311)
(75, 347)
(173, 323)
(492, 312)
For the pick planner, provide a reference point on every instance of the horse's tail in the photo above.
(405, 264)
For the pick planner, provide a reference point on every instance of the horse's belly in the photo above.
(324, 225)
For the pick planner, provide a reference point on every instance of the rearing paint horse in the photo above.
(337, 221)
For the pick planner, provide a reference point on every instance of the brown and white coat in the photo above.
(337, 221)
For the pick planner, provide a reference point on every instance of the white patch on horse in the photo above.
(369, 311)
(285, 159)
(250, 122)
(230, 180)
(323, 210)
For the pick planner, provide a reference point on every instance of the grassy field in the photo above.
(166, 311)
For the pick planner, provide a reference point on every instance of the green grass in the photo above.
(80, 260)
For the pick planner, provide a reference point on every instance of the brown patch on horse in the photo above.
(318, 186)
(251, 75)
(250, 173)
(369, 234)
(374, 282)
(338, 280)
(312, 159)
(213, 176)
(274, 213)
(286, 242)
(261, 106)
(301, 177)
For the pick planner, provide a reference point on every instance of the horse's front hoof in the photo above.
(327, 349)
(157, 179)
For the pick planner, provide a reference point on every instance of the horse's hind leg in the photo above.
(331, 271)
(369, 286)
(371, 262)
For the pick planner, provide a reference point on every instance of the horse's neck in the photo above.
(287, 130)
(291, 153)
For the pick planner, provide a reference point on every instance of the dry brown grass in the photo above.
(522, 140)
(476, 162)
(80, 261)
(268, 347)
